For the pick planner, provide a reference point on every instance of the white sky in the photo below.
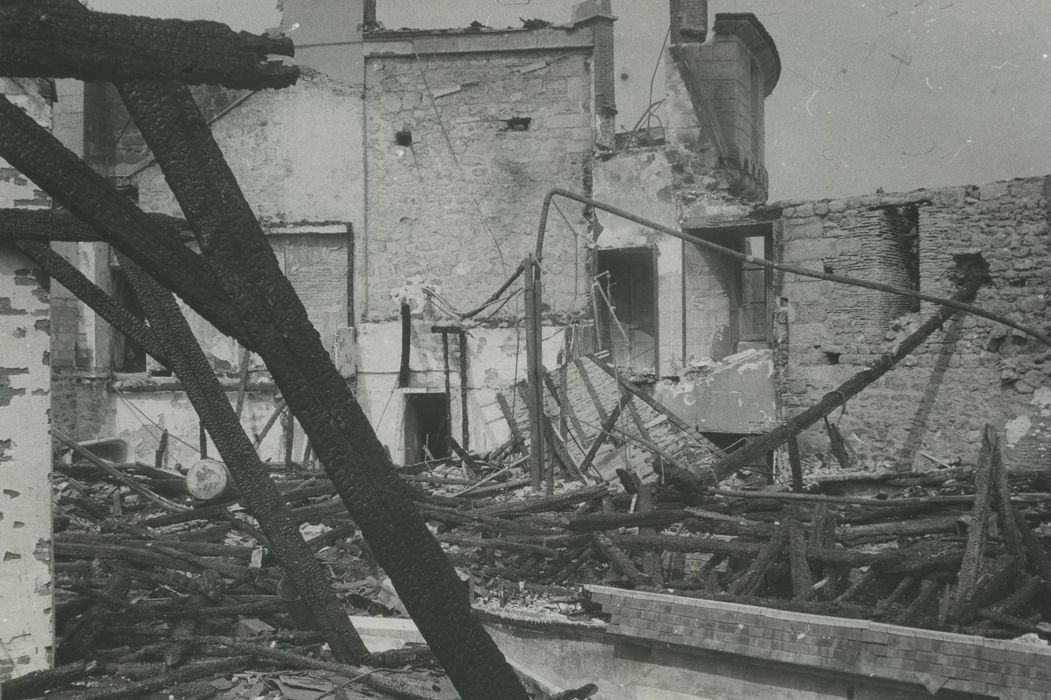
(898, 94)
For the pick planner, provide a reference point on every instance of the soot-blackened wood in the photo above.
(752, 578)
(802, 578)
(49, 225)
(534, 393)
(758, 448)
(258, 492)
(63, 39)
(464, 387)
(406, 345)
(1037, 553)
(596, 522)
(984, 483)
(36, 683)
(38, 155)
(620, 561)
(277, 322)
(101, 303)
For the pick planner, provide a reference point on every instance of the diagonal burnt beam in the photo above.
(277, 322)
(258, 492)
(46, 225)
(64, 39)
(66, 274)
(170, 341)
(42, 158)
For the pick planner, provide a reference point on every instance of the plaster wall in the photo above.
(140, 417)
(26, 619)
(296, 153)
(735, 395)
(971, 373)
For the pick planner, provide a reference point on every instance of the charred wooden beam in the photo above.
(277, 322)
(101, 303)
(48, 225)
(38, 155)
(984, 483)
(63, 39)
(258, 492)
(620, 561)
(758, 448)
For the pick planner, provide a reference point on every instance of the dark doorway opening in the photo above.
(731, 442)
(426, 427)
(626, 306)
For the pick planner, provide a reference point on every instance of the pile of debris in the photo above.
(158, 587)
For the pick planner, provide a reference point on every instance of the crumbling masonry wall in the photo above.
(464, 135)
(25, 449)
(971, 373)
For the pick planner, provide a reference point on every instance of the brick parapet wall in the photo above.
(457, 208)
(926, 658)
(973, 372)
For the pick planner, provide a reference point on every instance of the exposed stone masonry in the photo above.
(973, 372)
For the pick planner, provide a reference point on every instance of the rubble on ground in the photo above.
(155, 589)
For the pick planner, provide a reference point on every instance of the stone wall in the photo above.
(26, 620)
(971, 373)
(465, 133)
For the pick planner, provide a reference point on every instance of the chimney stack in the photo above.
(689, 21)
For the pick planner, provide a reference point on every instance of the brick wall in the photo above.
(26, 634)
(972, 372)
(923, 659)
(457, 208)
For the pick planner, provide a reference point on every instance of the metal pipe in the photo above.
(802, 271)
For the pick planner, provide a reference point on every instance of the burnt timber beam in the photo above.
(64, 39)
(63, 272)
(47, 225)
(258, 492)
(38, 155)
(275, 319)
(170, 341)
(760, 446)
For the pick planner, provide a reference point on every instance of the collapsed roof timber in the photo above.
(325, 237)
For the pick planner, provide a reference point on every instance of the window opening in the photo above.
(128, 356)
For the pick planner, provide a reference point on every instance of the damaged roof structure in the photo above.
(808, 435)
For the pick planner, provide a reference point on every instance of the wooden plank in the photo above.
(976, 536)
(590, 387)
(802, 578)
(750, 580)
(620, 561)
(534, 390)
(505, 409)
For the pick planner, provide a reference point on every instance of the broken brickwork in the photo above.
(910, 663)
(972, 372)
(25, 451)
